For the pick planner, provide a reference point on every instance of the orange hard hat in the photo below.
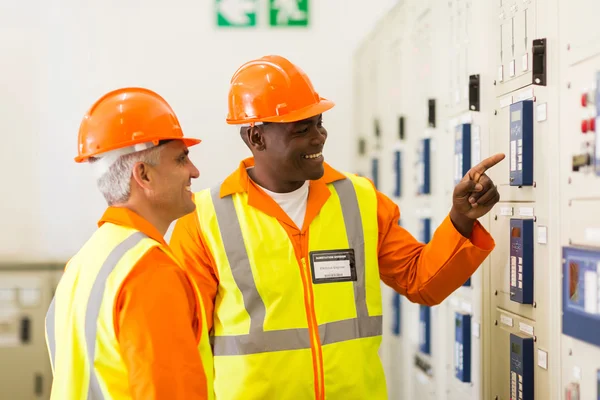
(272, 89)
(128, 118)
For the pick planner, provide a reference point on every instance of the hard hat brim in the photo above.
(294, 116)
(189, 142)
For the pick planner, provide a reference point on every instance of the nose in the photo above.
(318, 137)
(194, 173)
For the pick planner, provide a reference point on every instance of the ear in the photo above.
(141, 175)
(256, 137)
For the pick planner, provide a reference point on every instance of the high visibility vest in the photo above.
(277, 334)
(84, 351)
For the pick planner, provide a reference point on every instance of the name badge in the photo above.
(332, 266)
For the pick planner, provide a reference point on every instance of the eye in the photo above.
(303, 130)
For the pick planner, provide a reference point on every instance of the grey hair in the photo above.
(115, 182)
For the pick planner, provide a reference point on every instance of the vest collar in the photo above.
(240, 182)
(125, 217)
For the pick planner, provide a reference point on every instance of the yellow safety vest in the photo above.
(84, 351)
(277, 334)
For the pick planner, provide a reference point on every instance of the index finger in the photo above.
(484, 165)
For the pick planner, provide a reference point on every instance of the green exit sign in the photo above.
(288, 12)
(236, 13)
(244, 13)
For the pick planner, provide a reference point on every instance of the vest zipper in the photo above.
(313, 330)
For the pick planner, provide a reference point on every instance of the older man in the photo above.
(126, 321)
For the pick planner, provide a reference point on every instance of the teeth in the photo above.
(313, 155)
(188, 188)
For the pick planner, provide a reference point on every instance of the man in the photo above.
(289, 252)
(126, 321)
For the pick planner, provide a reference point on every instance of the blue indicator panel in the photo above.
(375, 171)
(521, 143)
(521, 367)
(398, 173)
(396, 314)
(424, 167)
(425, 230)
(521, 260)
(581, 294)
(462, 347)
(425, 329)
(462, 151)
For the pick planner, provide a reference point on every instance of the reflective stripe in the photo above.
(233, 241)
(348, 329)
(93, 311)
(261, 342)
(356, 240)
(258, 340)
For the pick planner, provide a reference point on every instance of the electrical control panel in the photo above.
(398, 173)
(462, 347)
(425, 230)
(521, 367)
(424, 167)
(521, 143)
(425, 329)
(462, 151)
(521, 260)
(507, 77)
(581, 294)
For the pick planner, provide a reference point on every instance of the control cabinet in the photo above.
(521, 260)
(25, 295)
(462, 347)
(521, 367)
(521, 143)
(462, 151)
(424, 167)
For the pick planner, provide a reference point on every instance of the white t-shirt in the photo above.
(293, 203)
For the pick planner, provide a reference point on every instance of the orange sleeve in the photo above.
(187, 244)
(157, 327)
(427, 273)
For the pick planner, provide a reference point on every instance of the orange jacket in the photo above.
(156, 322)
(424, 273)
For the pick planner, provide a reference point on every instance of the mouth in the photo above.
(315, 156)
(188, 188)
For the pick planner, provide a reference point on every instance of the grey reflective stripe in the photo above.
(233, 241)
(93, 310)
(258, 340)
(348, 329)
(261, 342)
(356, 240)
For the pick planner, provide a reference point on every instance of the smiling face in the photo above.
(287, 154)
(171, 185)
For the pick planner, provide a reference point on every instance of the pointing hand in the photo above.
(475, 195)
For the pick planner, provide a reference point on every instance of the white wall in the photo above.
(58, 56)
